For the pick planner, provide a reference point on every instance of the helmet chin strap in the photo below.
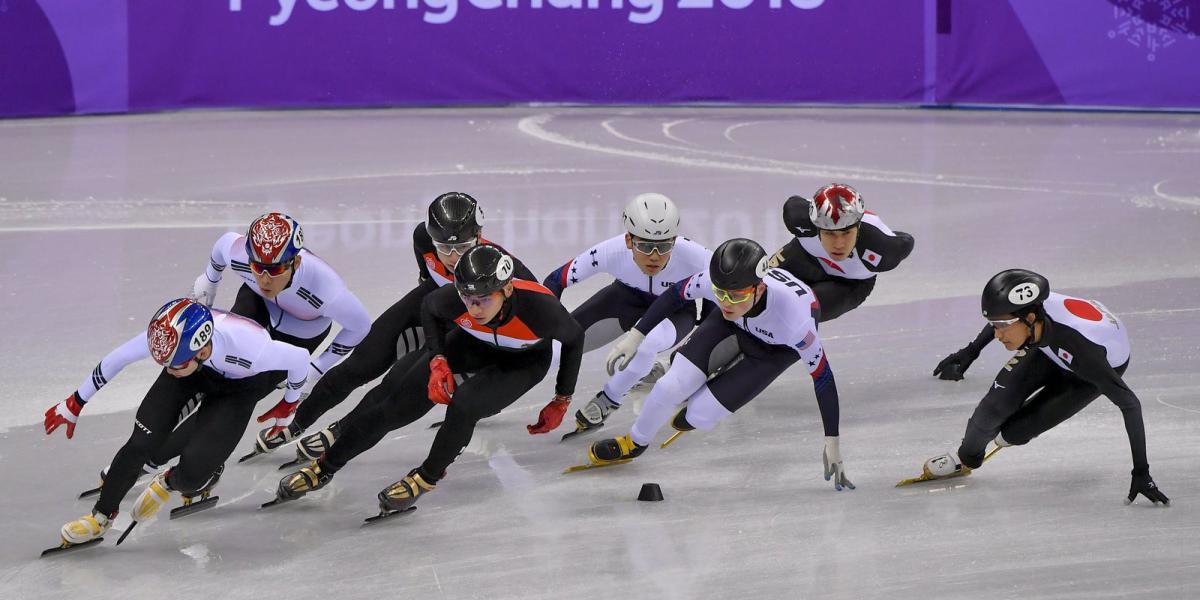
(1037, 318)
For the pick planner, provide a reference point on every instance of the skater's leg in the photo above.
(1024, 373)
(840, 296)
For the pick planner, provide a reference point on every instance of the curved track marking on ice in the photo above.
(1158, 397)
(666, 130)
(533, 126)
(1188, 200)
(728, 134)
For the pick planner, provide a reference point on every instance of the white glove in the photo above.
(622, 352)
(832, 457)
(204, 291)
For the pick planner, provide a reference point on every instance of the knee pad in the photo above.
(680, 381)
(704, 411)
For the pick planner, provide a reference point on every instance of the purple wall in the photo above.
(67, 56)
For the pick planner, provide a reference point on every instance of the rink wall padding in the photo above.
(71, 57)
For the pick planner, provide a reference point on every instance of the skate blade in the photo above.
(127, 532)
(68, 547)
(923, 477)
(436, 425)
(387, 515)
(672, 439)
(253, 453)
(294, 463)
(277, 501)
(577, 432)
(89, 493)
(194, 507)
(577, 468)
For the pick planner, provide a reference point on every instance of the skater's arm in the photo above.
(281, 356)
(122, 356)
(881, 248)
(422, 243)
(349, 313)
(520, 271)
(589, 262)
(676, 296)
(567, 331)
(218, 260)
(813, 355)
(795, 217)
(437, 312)
(1091, 364)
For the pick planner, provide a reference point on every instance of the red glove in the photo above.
(282, 413)
(64, 413)
(551, 416)
(441, 380)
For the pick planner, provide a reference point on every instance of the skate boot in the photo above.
(657, 370)
(267, 443)
(205, 491)
(311, 447)
(943, 466)
(153, 497)
(85, 529)
(614, 450)
(593, 415)
(681, 426)
(308, 479)
(403, 494)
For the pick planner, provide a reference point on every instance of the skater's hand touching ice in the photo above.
(1144, 485)
(551, 416)
(831, 456)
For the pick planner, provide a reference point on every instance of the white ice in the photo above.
(104, 218)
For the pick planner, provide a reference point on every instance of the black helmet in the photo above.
(454, 217)
(737, 264)
(482, 270)
(1010, 291)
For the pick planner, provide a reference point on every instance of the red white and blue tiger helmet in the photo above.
(836, 206)
(274, 238)
(179, 330)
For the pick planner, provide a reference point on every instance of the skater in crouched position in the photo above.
(454, 224)
(644, 262)
(491, 331)
(1069, 351)
(838, 247)
(209, 355)
(766, 323)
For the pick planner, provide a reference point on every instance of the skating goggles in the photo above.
(733, 296)
(274, 270)
(1003, 323)
(480, 300)
(458, 249)
(649, 247)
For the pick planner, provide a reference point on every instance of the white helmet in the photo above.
(651, 217)
(836, 206)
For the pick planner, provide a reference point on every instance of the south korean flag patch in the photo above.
(872, 257)
(1065, 356)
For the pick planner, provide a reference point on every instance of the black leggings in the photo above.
(494, 379)
(744, 365)
(840, 296)
(227, 405)
(1030, 396)
(252, 306)
(395, 333)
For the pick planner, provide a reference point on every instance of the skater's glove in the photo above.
(834, 469)
(281, 416)
(622, 352)
(204, 291)
(1144, 485)
(954, 366)
(551, 416)
(441, 380)
(64, 413)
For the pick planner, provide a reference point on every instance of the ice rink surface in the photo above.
(102, 219)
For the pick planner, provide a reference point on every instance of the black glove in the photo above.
(1144, 485)
(952, 367)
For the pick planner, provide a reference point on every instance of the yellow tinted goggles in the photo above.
(733, 296)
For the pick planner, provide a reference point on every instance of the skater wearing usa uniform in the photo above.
(487, 342)
(839, 247)
(766, 323)
(644, 262)
(1069, 351)
(206, 353)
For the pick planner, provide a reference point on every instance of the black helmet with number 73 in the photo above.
(1014, 292)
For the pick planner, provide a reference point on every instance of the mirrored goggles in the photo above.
(458, 248)
(274, 270)
(1003, 323)
(733, 296)
(649, 247)
(479, 300)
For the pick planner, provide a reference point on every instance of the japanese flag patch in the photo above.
(872, 257)
(1066, 357)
